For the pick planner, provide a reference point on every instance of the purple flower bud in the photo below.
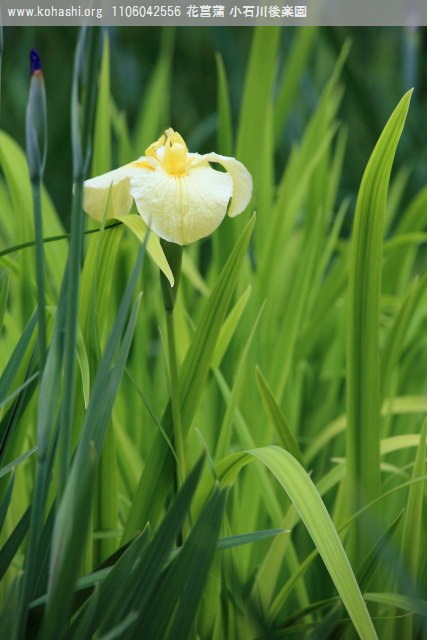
(35, 62)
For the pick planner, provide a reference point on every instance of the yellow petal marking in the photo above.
(142, 165)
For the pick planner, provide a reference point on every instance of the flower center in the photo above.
(171, 152)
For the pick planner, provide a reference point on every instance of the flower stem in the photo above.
(36, 148)
(173, 253)
(82, 113)
(38, 228)
(175, 399)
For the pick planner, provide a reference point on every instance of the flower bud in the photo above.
(36, 120)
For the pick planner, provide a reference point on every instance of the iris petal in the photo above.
(112, 187)
(242, 181)
(182, 209)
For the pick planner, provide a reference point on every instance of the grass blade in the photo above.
(225, 130)
(10, 548)
(141, 587)
(291, 77)
(182, 585)
(5, 501)
(282, 429)
(86, 65)
(101, 161)
(309, 505)
(413, 533)
(157, 478)
(68, 544)
(155, 116)
(363, 364)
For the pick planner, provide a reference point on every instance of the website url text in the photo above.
(55, 12)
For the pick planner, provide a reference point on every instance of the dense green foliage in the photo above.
(294, 360)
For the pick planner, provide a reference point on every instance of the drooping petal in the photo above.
(242, 181)
(182, 209)
(136, 224)
(112, 188)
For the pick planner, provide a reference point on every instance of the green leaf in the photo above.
(247, 440)
(225, 128)
(110, 573)
(363, 364)
(18, 355)
(313, 513)
(136, 224)
(308, 503)
(282, 429)
(399, 405)
(290, 80)
(330, 624)
(83, 97)
(247, 538)
(292, 190)
(294, 311)
(257, 95)
(11, 424)
(157, 477)
(225, 431)
(67, 549)
(141, 586)
(101, 161)
(154, 116)
(229, 327)
(18, 391)
(11, 466)
(399, 601)
(82, 359)
(395, 340)
(183, 582)
(50, 385)
(14, 165)
(12, 544)
(400, 264)
(110, 580)
(189, 269)
(412, 538)
(288, 586)
(4, 293)
(5, 501)
(119, 629)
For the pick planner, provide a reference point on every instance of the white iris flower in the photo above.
(178, 194)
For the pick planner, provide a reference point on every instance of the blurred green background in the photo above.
(383, 63)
